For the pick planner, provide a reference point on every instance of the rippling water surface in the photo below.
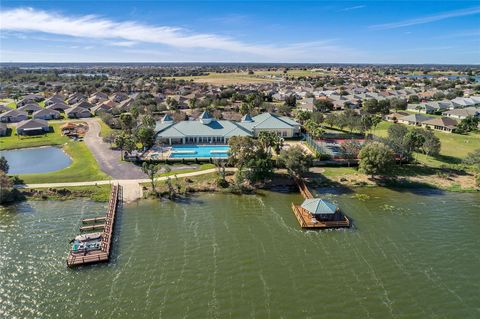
(224, 256)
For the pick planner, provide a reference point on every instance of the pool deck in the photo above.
(103, 255)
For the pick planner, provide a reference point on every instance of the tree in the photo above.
(125, 142)
(220, 165)
(331, 119)
(473, 159)
(431, 145)
(250, 157)
(370, 106)
(145, 136)
(151, 170)
(468, 124)
(413, 99)
(413, 140)
(4, 167)
(127, 122)
(398, 104)
(323, 105)
(376, 158)
(396, 140)
(269, 140)
(291, 101)
(148, 121)
(350, 150)
(295, 160)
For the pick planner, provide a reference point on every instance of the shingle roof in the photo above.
(444, 121)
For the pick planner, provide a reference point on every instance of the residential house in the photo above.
(414, 119)
(47, 114)
(54, 99)
(13, 116)
(463, 113)
(77, 112)
(445, 124)
(59, 106)
(307, 105)
(393, 117)
(30, 108)
(33, 126)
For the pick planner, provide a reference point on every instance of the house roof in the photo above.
(317, 206)
(45, 111)
(269, 121)
(14, 113)
(444, 121)
(34, 124)
(197, 128)
(415, 118)
(30, 107)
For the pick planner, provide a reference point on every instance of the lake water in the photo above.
(410, 255)
(36, 160)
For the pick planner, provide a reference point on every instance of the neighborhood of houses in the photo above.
(31, 118)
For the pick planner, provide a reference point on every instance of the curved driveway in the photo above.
(108, 159)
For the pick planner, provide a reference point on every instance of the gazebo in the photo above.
(322, 210)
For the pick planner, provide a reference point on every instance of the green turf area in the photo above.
(455, 147)
(244, 77)
(14, 141)
(84, 167)
(104, 128)
(98, 193)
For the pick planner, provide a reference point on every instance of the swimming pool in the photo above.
(200, 151)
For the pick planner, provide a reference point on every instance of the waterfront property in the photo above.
(33, 127)
(209, 130)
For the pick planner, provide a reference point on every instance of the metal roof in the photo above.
(317, 206)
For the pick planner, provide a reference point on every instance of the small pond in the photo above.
(36, 160)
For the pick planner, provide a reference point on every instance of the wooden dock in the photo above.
(307, 220)
(94, 256)
(94, 219)
(92, 227)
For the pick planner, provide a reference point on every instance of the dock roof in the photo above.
(317, 206)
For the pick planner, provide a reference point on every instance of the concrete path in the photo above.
(108, 159)
(132, 189)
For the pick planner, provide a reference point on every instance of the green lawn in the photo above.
(455, 147)
(98, 193)
(14, 141)
(84, 168)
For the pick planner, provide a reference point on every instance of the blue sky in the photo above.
(249, 31)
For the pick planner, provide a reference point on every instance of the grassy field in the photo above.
(455, 147)
(98, 193)
(245, 78)
(84, 167)
(14, 141)
(104, 128)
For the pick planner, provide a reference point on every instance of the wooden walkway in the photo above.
(81, 258)
(306, 220)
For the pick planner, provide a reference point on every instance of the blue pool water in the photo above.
(199, 151)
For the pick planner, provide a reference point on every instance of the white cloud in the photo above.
(123, 43)
(427, 19)
(353, 8)
(129, 33)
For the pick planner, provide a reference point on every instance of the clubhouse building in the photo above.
(208, 130)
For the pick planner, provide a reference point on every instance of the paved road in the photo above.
(108, 159)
